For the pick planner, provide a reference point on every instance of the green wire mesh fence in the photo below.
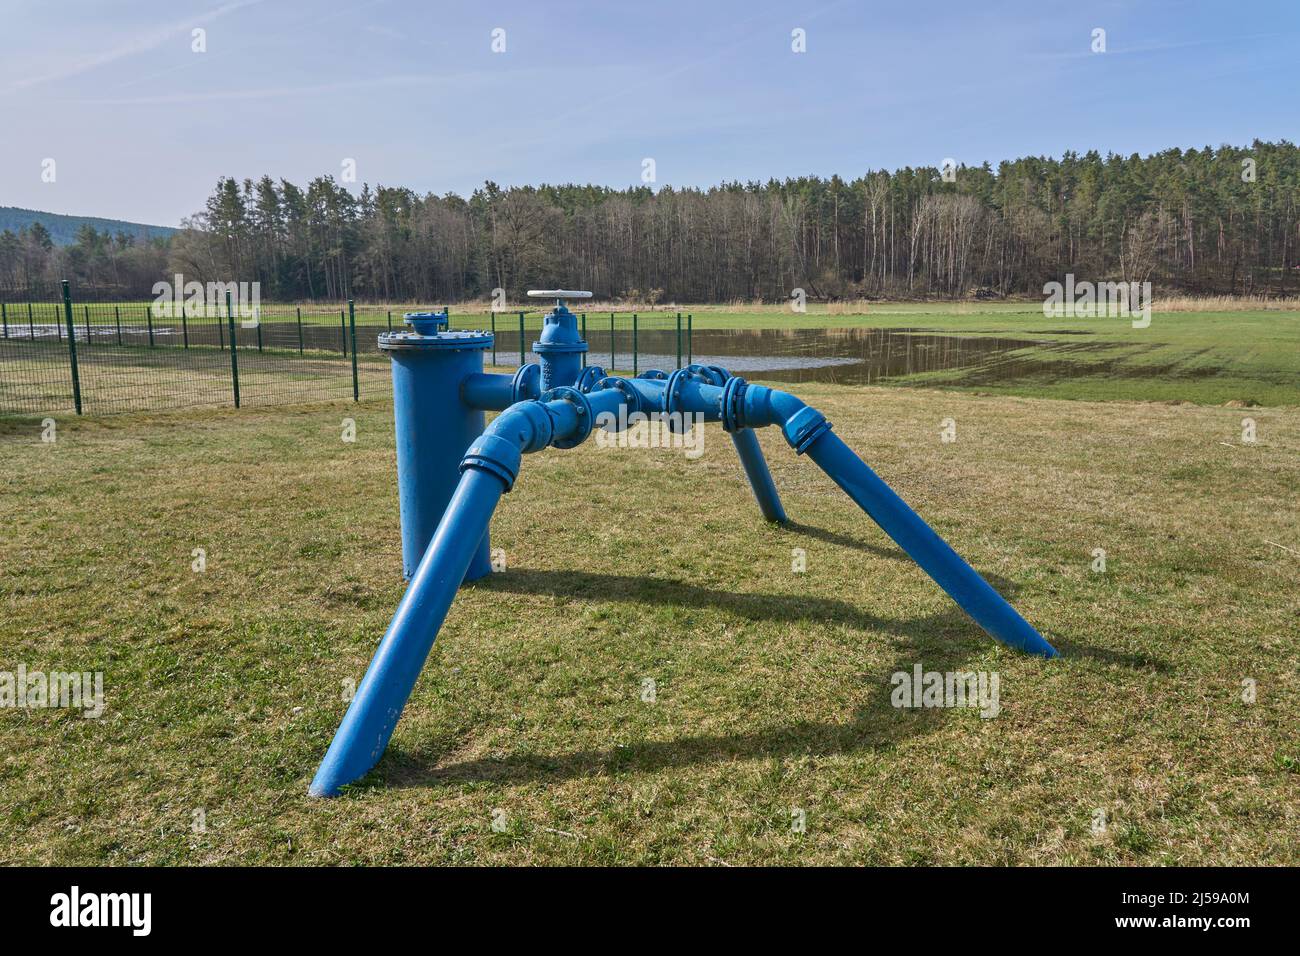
(63, 353)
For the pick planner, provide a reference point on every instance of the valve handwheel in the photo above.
(559, 295)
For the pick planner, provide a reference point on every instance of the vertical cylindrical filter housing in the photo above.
(434, 427)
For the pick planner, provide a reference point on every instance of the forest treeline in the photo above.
(1221, 221)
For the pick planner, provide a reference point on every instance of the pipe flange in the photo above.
(586, 418)
(733, 403)
(588, 378)
(654, 374)
(674, 417)
(710, 374)
(673, 390)
(631, 399)
(527, 383)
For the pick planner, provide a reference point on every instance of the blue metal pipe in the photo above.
(433, 429)
(807, 431)
(487, 392)
(690, 395)
(975, 596)
(760, 478)
(390, 678)
(489, 469)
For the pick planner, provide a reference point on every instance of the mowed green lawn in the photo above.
(772, 689)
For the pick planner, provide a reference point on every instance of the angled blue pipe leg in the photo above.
(975, 595)
(488, 471)
(808, 432)
(373, 713)
(756, 470)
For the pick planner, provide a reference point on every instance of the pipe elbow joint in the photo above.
(754, 406)
(523, 427)
(803, 426)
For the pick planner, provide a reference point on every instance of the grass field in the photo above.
(772, 688)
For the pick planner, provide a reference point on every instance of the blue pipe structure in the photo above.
(760, 478)
(433, 427)
(440, 395)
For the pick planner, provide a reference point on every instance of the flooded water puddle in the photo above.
(846, 356)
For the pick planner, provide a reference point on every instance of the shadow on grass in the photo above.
(942, 642)
(597, 585)
(1104, 655)
(844, 541)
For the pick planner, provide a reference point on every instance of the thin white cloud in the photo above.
(269, 92)
(136, 45)
(1086, 52)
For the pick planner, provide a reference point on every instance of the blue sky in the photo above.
(141, 127)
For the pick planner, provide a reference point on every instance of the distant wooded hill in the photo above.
(63, 229)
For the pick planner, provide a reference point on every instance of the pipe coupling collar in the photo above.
(496, 455)
(733, 403)
(670, 403)
(804, 427)
(708, 374)
(670, 399)
(566, 393)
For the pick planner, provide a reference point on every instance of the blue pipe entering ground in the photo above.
(563, 416)
(963, 584)
(760, 479)
(488, 470)
(808, 432)
(391, 676)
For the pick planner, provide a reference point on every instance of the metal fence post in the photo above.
(185, 327)
(679, 340)
(258, 318)
(31, 323)
(148, 314)
(221, 326)
(611, 342)
(352, 324)
(117, 321)
(521, 338)
(635, 344)
(343, 330)
(494, 338)
(72, 346)
(234, 359)
(85, 309)
(4, 312)
(299, 309)
(390, 323)
(690, 339)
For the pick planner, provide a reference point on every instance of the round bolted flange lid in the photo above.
(459, 339)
